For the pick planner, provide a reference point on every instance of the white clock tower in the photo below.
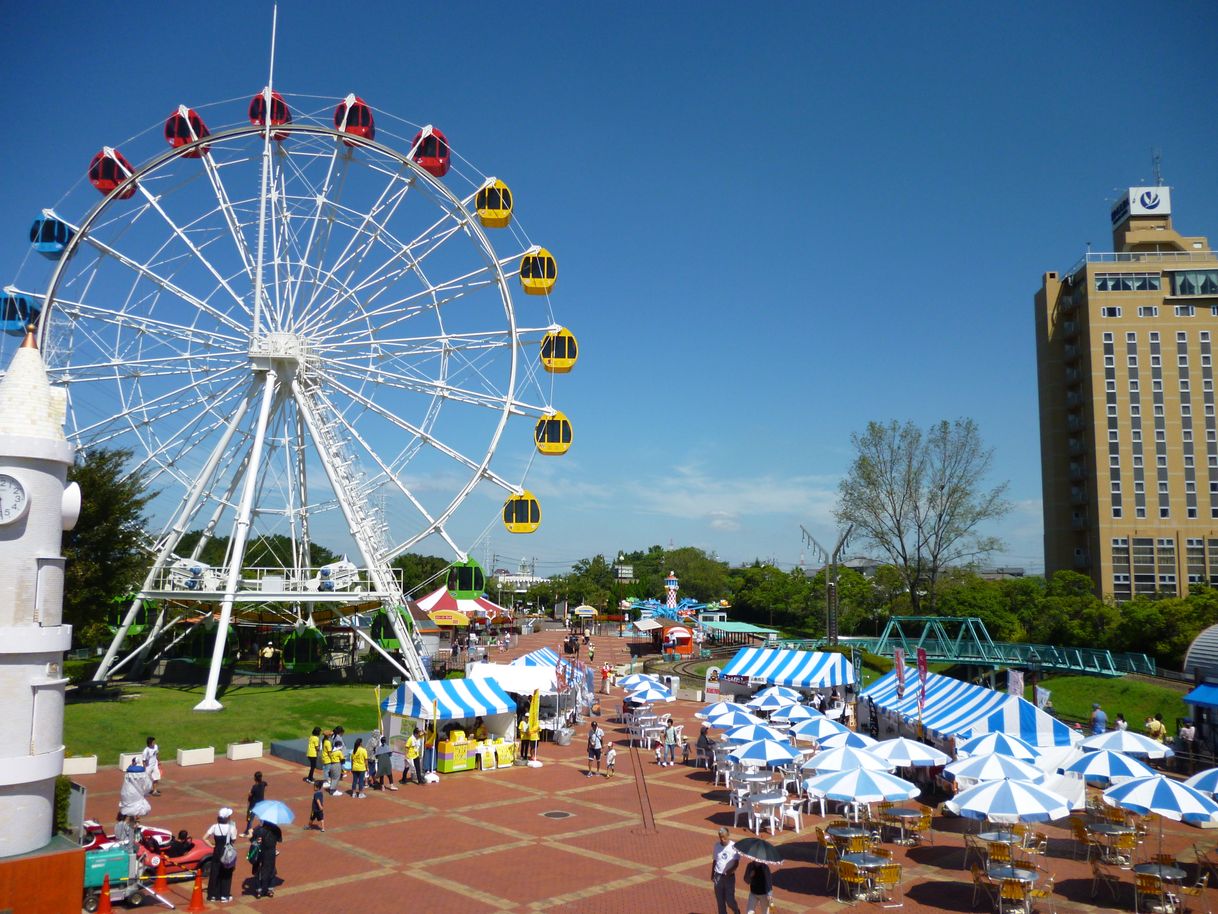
(36, 506)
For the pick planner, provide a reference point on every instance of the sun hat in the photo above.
(224, 812)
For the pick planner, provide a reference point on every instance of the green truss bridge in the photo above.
(949, 639)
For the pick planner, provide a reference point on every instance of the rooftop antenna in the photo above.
(1156, 160)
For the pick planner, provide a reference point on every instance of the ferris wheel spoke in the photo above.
(447, 391)
(230, 215)
(427, 438)
(166, 284)
(411, 306)
(182, 236)
(322, 199)
(144, 324)
(191, 434)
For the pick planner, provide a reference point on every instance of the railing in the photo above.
(1143, 257)
(211, 578)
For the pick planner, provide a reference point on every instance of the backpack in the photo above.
(254, 853)
(228, 856)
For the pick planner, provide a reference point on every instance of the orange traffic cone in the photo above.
(103, 902)
(196, 900)
(161, 885)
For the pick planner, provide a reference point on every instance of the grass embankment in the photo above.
(1135, 698)
(106, 728)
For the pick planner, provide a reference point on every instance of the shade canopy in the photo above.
(962, 710)
(637, 679)
(448, 699)
(1164, 797)
(861, 785)
(770, 702)
(763, 752)
(794, 714)
(518, 679)
(1106, 765)
(816, 728)
(801, 669)
(1127, 742)
(992, 767)
(845, 758)
(909, 753)
(847, 738)
(1205, 781)
(735, 717)
(1000, 743)
(1009, 801)
(476, 608)
(648, 692)
(749, 732)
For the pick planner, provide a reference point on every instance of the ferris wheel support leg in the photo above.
(177, 530)
(142, 650)
(240, 535)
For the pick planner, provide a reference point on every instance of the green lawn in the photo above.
(1137, 700)
(106, 728)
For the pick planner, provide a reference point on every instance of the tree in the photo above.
(918, 498)
(105, 552)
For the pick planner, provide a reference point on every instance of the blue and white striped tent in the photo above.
(960, 709)
(798, 669)
(448, 699)
(543, 656)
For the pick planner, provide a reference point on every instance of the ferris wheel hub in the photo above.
(284, 352)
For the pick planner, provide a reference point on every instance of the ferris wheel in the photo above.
(301, 329)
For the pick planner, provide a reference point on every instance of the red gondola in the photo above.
(431, 151)
(185, 126)
(108, 170)
(354, 116)
(280, 113)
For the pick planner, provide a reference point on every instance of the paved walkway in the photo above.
(544, 839)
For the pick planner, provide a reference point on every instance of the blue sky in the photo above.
(773, 223)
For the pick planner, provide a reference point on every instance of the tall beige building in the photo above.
(1128, 435)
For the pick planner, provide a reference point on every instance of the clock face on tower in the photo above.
(13, 500)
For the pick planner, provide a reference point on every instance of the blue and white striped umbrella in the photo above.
(1204, 781)
(763, 752)
(769, 702)
(648, 692)
(816, 728)
(735, 717)
(1002, 743)
(1128, 742)
(861, 785)
(1109, 766)
(718, 707)
(847, 738)
(793, 714)
(843, 759)
(790, 696)
(909, 753)
(1009, 801)
(750, 732)
(637, 679)
(1165, 797)
(993, 767)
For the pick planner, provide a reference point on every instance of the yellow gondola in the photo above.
(538, 271)
(559, 350)
(494, 204)
(553, 434)
(522, 513)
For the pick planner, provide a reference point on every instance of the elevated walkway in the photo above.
(949, 639)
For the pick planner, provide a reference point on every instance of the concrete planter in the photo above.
(236, 751)
(126, 758)
(80, 764)
(204, 756)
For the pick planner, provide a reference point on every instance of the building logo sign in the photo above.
(1142, 201)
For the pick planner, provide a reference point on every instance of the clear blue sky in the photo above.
(773, 222)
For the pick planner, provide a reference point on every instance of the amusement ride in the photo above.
(300, 327)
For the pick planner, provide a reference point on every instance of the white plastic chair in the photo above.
(740, 802)
(759, 813)
(703, 755)
(790, 810)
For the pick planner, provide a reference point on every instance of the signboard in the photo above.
(585, 612)
(1142, 201)
(735, 680)
(448, 617)
(711, 688)
(921, 680)
(1015, 682)
(898, 659)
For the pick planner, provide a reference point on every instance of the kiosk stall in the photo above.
(449, 707)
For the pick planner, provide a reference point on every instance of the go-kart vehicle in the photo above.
(152, 846)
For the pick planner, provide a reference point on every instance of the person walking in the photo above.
(221, 835)
(359, 770)
(606, 670)
(268, 837)
(256, 795)
(312, 752)
(384, 765)
(151, 760)
(724, 860)
(1099, 720)
(670, 743)
(610, 760)
(334, 768)
(317, 811)
(595, 738)
(761, 887)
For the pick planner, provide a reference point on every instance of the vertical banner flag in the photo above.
(921, 680)
(1041, 696)
(1015, 683)
(898, 658)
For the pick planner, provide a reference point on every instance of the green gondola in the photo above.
(198, 645)
(145, 616)
(382, 631)
(466, 580)
(305, 651)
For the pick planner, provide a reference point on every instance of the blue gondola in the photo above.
(50, 236)
(17, 312)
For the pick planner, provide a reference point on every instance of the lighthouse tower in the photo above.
(36, 506)
(670, 590)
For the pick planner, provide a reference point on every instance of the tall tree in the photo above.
(919, 498)
(105, 552)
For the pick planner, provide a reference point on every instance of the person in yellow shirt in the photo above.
(429, 748)
(479, 728)
(359, 769)
(312, 752)
(414, 756)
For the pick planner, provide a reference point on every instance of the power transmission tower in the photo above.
(830, 560)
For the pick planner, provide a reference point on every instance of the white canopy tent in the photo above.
(518, 679)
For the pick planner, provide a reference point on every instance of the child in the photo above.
(317, 814)
(659, 753)
(256, 795)
(610, 761)
(151, 759)
(684, 750)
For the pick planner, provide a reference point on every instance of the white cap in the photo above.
(224, 812)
